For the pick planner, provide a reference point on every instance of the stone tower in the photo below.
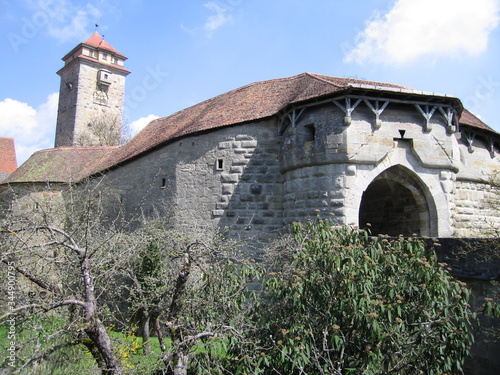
(91, 95)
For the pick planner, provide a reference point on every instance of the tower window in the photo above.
(163, 183)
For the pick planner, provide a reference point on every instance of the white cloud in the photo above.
(426, 28)
(76, 25)
(139, 124)
(72, 22)
(217, 20)
(32, 129)
(65, 20)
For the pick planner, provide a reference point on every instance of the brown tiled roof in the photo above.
(256, 101)
(61, 164)
(252, 102)
(8, 163)
(467, 118)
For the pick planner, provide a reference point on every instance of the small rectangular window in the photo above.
(309, 133)
(163, 183)
(220, 164)
(104, 56)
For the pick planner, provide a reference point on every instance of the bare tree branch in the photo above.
(45, 308)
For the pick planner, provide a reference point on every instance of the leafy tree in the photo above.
(354, 304)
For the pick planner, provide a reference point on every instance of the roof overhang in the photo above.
(97, 64)
(450, 106)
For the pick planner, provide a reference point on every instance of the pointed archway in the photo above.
(395, 203)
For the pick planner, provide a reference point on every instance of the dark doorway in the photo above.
(394, 204)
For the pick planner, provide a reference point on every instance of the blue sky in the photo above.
(194, 50)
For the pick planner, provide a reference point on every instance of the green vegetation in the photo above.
(352, 304)
(73, 357)
(96, 294)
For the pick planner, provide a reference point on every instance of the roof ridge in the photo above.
(267, 81)
(241, 88)
(317, 76)
(64, 148)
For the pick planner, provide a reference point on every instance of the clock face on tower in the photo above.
(100, 97)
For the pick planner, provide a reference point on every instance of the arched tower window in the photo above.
(395, 203)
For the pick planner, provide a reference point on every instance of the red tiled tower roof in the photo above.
(8, 163)
(97, 41)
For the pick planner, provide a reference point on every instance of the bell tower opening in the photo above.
(395, 204)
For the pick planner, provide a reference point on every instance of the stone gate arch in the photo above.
(403, 169)
(398, 202)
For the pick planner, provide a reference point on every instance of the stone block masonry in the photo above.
(476, 213)
(227, 180)
(251, 180)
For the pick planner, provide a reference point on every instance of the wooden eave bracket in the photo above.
(377, 109)
(347, 109)
(491, 146)
(449, 115)
(427, 111)
(469, 140)
(292, 116)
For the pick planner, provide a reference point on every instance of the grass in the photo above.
(77, 359)
(74, 359)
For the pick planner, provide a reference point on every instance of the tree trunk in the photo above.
(100, 337)
(95, 328)
(146, 339)
(180, 362)
(159, 333)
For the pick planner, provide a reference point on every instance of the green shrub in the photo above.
(361, 305)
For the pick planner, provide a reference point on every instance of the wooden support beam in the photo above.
(469, 139)
(491, 146)
(294, 116)
(449, 115)
(348, 108)
(377, 109)
(426, 111)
